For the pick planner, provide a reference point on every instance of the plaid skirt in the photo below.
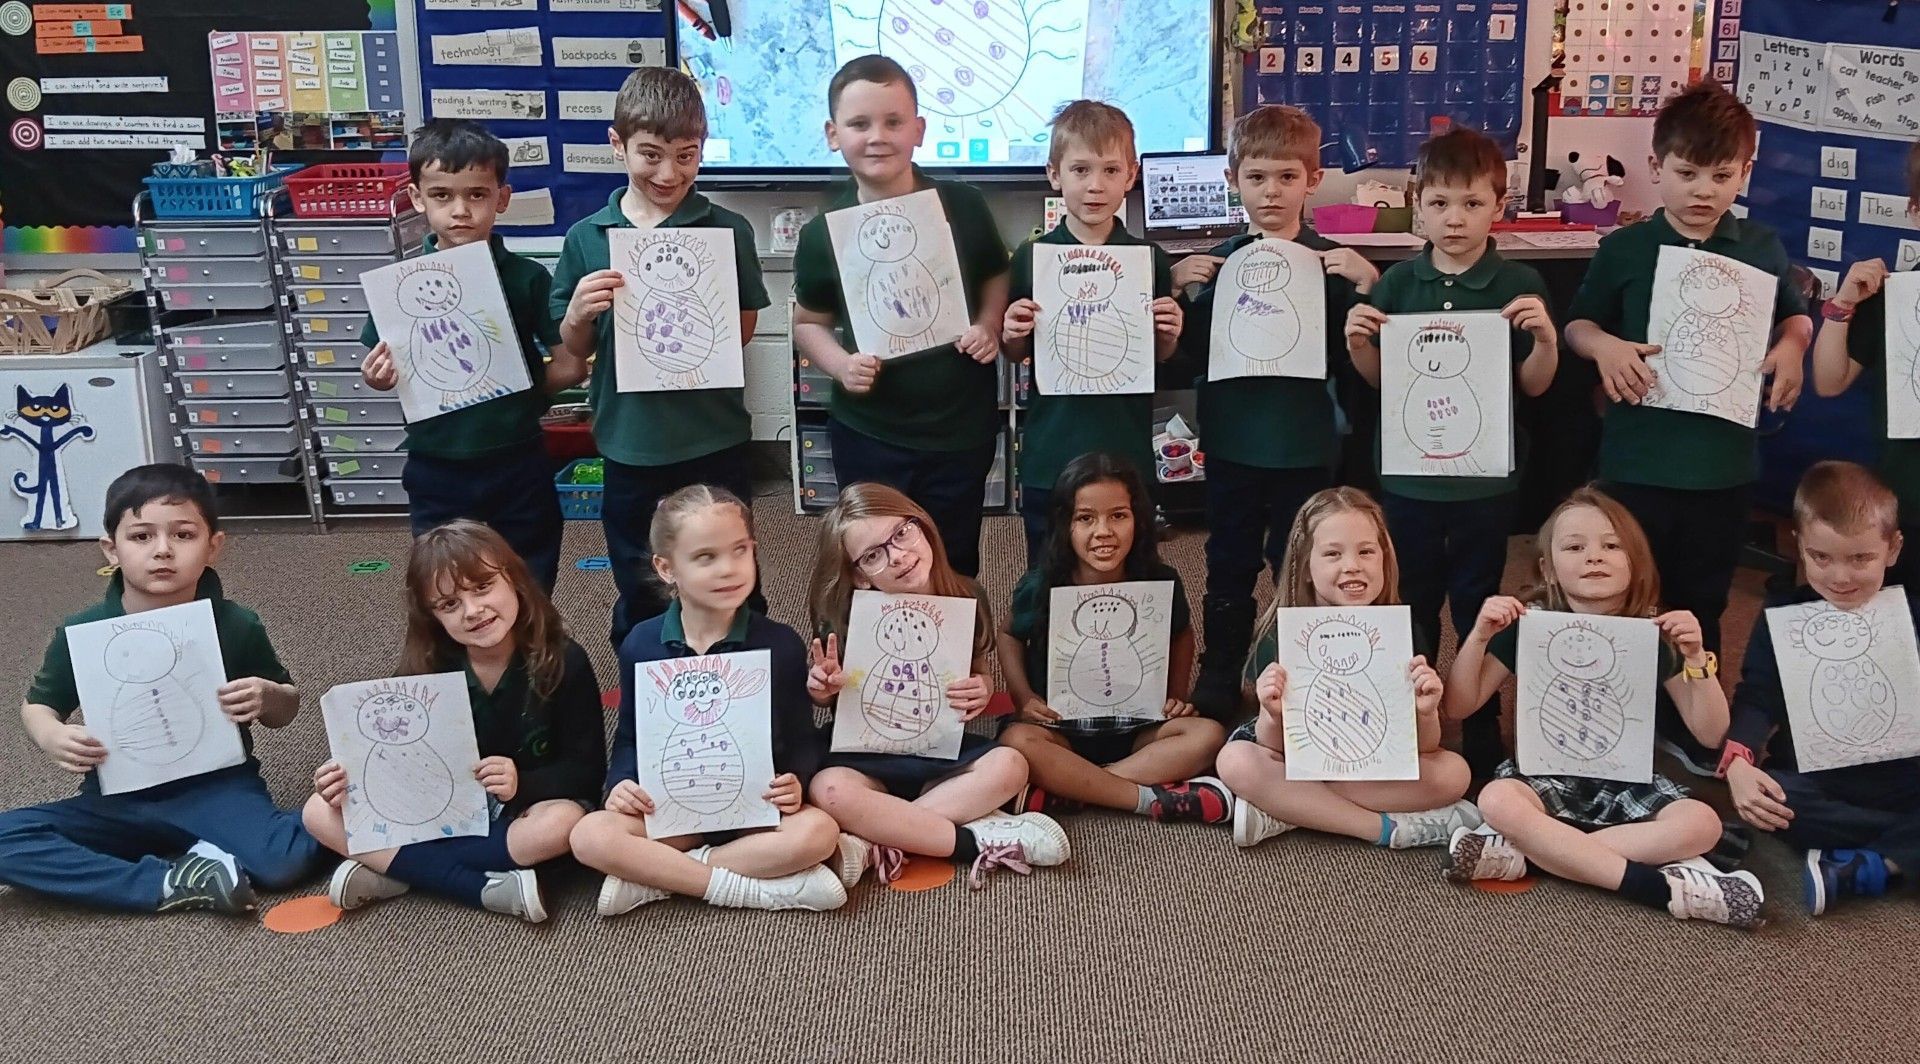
(1593, 804)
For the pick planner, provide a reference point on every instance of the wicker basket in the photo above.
(57, 316)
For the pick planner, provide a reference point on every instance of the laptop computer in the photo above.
(1186, 204)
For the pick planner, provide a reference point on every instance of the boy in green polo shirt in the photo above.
(195, 843)
(1091, 162)
(1269, 441)
(1687, 478)
(484, 461)
(654, 443)
(1451, 532)
(924, 423)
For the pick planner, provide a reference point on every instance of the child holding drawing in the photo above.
(703, 551)
(1339, 554)
(473, 606)
(1641, 840)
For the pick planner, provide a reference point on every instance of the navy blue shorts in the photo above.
(904, 775)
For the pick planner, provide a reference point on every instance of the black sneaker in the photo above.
(1201, 800)
(197, 881)
(1831, 873)
(1031, 798)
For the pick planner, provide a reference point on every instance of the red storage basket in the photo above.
(347, 190)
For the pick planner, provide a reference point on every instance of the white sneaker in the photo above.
(818, 889)
(619, 897)
(515, 893)
(1703, 892)
(1042, 840)
(1432, 827)
(354, 885)
(850, 863)
(1482, 853)
(1253, 826)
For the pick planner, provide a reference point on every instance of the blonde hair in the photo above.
(830, 592)
(1091, 124)
(467, 553)
(1643, 576)
(1276, 131)
(1295, 586)
(672, 512)
(1846, 497)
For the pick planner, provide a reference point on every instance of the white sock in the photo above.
(728, 889)
(1143, 802)
(215, 853)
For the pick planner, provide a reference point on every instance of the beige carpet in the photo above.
(1153, 943)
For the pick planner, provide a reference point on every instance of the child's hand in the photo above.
(1195, 269)
(1168, 318)
(859, 373)
(1623, 368)
(825, 678)
(243, 700)
(1364, 322)
(977, 343)
(1787, 365)
(1529, 315)
(499, 776)
(378, 370)
(784, 793)
(969, 696)
(592, 297)
(330, 783)
(1018, 324)
(1864, 280)
(628, 799)
(1684, 629)
(1175, 709)
(1036, 711)
(1427, 687)
(1498, 612)
(1757, 797)
(74, 748)
(1271, 691)
(1348, 263)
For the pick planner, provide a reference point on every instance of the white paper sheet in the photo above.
(1851, 680)
(1349, 703)
(489, 103)
(1108, 649)
(1585, 695)
(408, 748)
(1446, 395)
(149, 691)
(705, 731)
(899, 274)
(1711, 316)
(446, 318)
(532, 206)
(1903, 357)
(1094, 332)
(677, 319)
(518, 46)
(609, 51)
(901, 653)
(1269, 313)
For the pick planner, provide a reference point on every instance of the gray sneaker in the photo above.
(205, 878)
(1703, 892)
(515, 893)
(1482, 853)
(355, 885)
(1253, 825)
(1434, 827)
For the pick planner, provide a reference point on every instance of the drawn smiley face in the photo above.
(1439, 352)
(1105, 616)
(393, 718)
(1265, 272)
(666, 266)
(907, 633)
(1710, 290)
(1339, 647)
(886, 238)
(1088, 280)
(1836, 635)
(1581, 653)
(429, 293)
(139, 655)
(697, 696)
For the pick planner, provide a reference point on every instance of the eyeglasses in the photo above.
(874, 561)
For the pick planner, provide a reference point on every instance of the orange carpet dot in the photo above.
(1505, 886)
(924, 873)
(301, 915)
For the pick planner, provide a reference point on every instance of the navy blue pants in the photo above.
(113, 851)
(1696, 536)
(1034, 503)
(626, 512)
(1829, 814)
(950, 485)
(1250, 511)
(511, 493)
(1450, 552)
(455, 869)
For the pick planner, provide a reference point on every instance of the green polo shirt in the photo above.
(1269, 422)
(1671, 448)
(244, 648)
(932, 400)
(1028, 621)
(508, 422)
(1060, 428)
(658, 428)
(1899, 459)
(1417, 286)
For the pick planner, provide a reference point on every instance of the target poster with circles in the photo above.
(1585, 701)
(901, 653)
(1109, 649)
(1269, 313)
(1349, 700)
(705, 742)
(1712, 318)
(1446, 395)
(149, 688)
(1851, 679)
(446, 319)
(408, 748)
(1095, 330)
(677, 317)
(899, 274)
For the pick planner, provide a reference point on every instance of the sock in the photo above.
(727, 888)
(1143, 802)
(454, 868)
(208, 850)
(1386, 831)
(966, 848)
(1645, 884)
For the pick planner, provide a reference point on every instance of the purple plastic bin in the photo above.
(1344, 218)
(1582, 214)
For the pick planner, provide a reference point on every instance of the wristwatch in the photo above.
(1836, 310)
(1704, 672)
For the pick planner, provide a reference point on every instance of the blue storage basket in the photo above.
(215, 197)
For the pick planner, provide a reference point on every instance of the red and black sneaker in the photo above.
(1202, 800)
(1032, 799)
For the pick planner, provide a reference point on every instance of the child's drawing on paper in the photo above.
(1110, 645)
(902, 653)
(1269, 313)
(1586, 697)
(1711, 317)
(1098, 337)
(446, 319)
(1450, 378)
(899, 274)
(679, 311)
(1903, 355)
(409, 751)
(1842, 672)
(1350, 709)
(705, 743)
(54, 424)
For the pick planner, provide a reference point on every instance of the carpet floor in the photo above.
(1153, 943)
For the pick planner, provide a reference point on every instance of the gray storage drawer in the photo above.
(183, 273)
(815, 443)
(323, 269)
(338, 354)
(259, 470)
(342, 298)
(367, 493)
(330, 326)
(358, 412)
(225, 333)
(307, 240)
(216, 296)
(370, 466)
(166, 241)
(336, 440)
(346, 387)
(229, 357)
(234, 385)
(246, 442)
(246, 413)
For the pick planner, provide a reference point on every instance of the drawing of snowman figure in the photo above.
(154, 720)
(1263, 325)
(1442, 415)
(448, 348)
(1852, 699)
(672, 325)
(901, 693)
(1702, 348)
(404, 780)
(701, 762)
(902, 296)
(1912, 342)
(1341, 711)
(1091, 335)
(1106, 670)
(1583, 710)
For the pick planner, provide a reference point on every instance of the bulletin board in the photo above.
(1622, 58)
(1385, 74)
(542, 74)
(1836, 90)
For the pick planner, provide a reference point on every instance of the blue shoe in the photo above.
(1832, 873)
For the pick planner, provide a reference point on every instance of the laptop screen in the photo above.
(1188, 191)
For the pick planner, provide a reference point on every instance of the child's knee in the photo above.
(815, 834)
(1698, 824)
(833, 787)
(1023, 737)
(1202, 732)
(282, 869)
(1506, 802)
(1239, 763)
(1006, 768)
(1447, 774)
(316, 815)
(595, 836)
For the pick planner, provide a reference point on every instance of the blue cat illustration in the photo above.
(48, 413)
